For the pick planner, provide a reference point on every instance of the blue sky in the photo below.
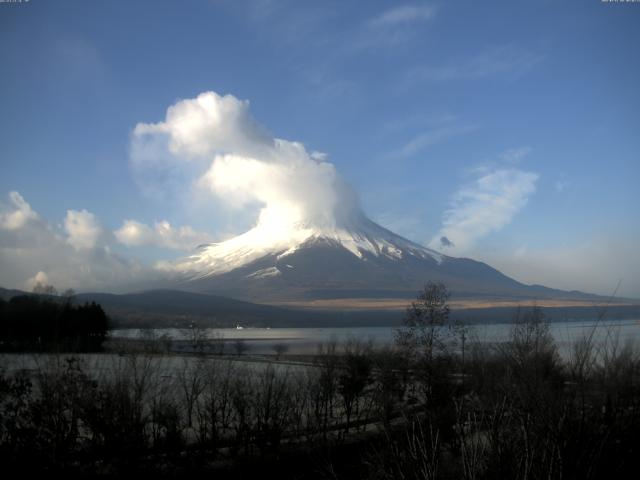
(511, 128)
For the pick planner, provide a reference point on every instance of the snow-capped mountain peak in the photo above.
(307, 261)
(359, 236)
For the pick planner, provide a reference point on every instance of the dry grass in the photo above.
(401, 304)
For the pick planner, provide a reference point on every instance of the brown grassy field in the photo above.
(401, 304)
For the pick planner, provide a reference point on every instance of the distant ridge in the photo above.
(180, 309)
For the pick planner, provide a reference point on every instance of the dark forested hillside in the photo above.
(39, 323)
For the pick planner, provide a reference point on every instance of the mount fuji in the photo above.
(303, 262)
(312, 241)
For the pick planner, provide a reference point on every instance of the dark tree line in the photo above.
(35, 323)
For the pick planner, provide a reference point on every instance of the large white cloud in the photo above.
(16, 213)
(39, 278)
(163, 234)
(209, 124)
(78, 255)
(486, 205)
(83, 229)
(212, 144)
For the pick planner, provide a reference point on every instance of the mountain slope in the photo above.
(357, 259)
(360, 237)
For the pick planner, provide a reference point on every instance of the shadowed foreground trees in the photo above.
(32, 323)
(514, 410)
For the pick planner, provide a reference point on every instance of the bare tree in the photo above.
(214, 408)
(390, 385)
(280, 349)
(197, 337)
(217, 343)
(44, 289)
(271, 404)
(355, 376)
(413, 453)
(426, 337)
(240, 346)
(423, 334)
(325, 385)
(531, 354)
(190, 379)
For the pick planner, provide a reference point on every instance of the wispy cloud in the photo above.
(284, 22)
(561, 185)
(432, 137)
(418, 120)
(428, 138)
(510, 158)
(410, 224)
(515, 155)
(392, 27)
(509, 61)
(76, 58)
(325, 84)
(486, 205)
(163, 234)
(402, 15)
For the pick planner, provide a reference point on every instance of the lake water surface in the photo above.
(306, 340)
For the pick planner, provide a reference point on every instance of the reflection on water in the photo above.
(306, 340)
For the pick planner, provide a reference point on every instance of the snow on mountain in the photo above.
(359, 236)
(265, 273)
(307, 261)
